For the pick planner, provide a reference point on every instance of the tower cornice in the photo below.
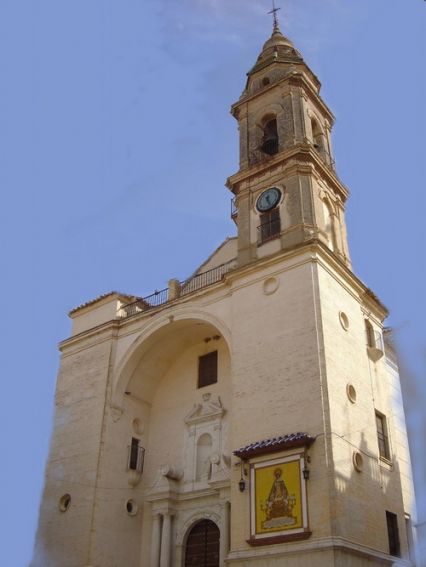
(293, 79)
(300, 158)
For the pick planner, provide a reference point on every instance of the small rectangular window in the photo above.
(136, 455)
(382, 435)
(207, 369)
(393, 534)
(270, 225)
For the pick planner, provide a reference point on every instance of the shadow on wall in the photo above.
(376, 493)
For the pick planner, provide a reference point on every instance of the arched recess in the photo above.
(167, 335)
(329, 223)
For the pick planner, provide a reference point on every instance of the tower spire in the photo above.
(274, 11)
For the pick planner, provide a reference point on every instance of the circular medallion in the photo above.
(268, 199)
(344, 320)
(351, 393)
(270, 286)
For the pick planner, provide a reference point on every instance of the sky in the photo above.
(115, 144)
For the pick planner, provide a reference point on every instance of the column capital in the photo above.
(170, 513)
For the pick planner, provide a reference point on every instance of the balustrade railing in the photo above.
(190, 285)
(154, 300)
(205, 278)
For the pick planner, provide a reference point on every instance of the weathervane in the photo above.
(274, 12)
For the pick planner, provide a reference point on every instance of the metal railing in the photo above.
(268, 230)
(144, 304)
(204, 279)
(374, 339)
(190, 285)
(135, 457)
(234, 210)
(324, 155)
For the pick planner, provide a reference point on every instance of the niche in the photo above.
(204, 452)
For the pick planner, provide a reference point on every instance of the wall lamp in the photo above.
(242, 482)
(305, 470)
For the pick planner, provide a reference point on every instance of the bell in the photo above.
(270, 144)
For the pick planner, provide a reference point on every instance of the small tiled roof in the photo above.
(275, 444)
(103, 296)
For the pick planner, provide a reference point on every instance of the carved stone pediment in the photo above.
(207, 410)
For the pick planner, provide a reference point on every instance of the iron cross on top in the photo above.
(274, 12)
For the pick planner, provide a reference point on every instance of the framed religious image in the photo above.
(278, 507)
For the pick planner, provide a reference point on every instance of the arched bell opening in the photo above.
(270, 139)
(202, 545)
(318, 137)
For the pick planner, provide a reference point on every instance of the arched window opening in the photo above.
(204, 452)
(203, 545)
(317, 136)
(270, 137)
(328, 225)
(265, 81)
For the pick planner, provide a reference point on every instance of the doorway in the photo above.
(202, 545)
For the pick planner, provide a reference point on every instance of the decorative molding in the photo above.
(170, 472)
(133, 477)
(116, 413)
(279, 539)
(204, 513)
(207, 410)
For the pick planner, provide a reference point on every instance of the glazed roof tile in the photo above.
(275, 444)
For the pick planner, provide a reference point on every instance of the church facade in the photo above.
(250, 415)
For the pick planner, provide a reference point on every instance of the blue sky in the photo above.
(115, 142)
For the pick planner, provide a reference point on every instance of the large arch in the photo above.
(166, 336)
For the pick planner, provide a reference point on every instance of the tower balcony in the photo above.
(323, 154)
(258, 156)
(375, 346)
(270, 227)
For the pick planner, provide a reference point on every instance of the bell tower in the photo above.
(286, 191)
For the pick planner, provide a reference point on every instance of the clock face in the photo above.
(268, 199)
